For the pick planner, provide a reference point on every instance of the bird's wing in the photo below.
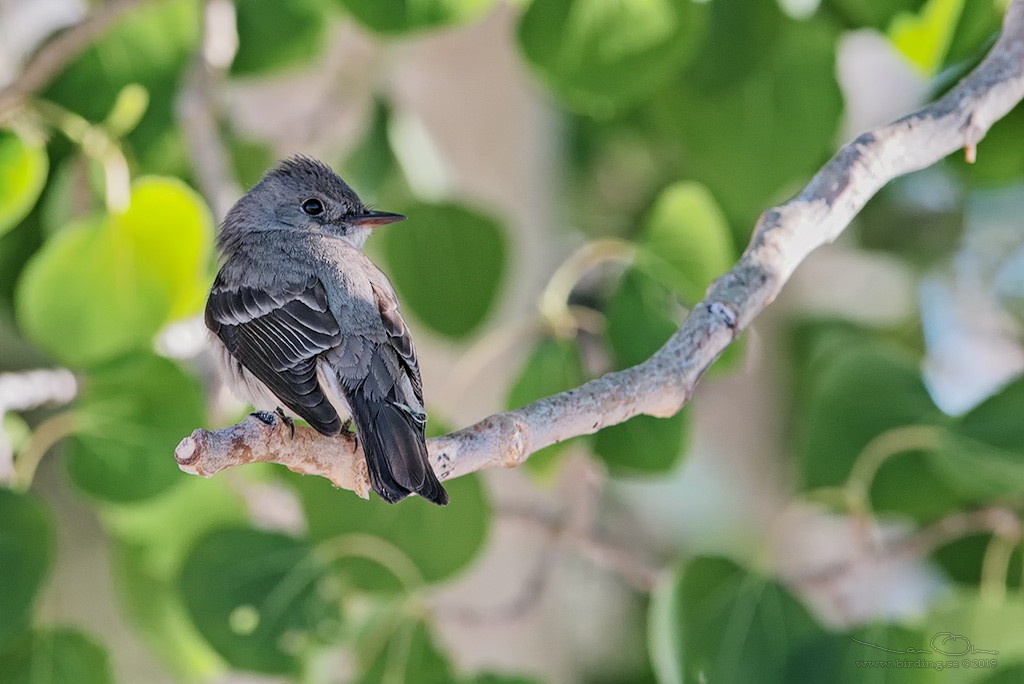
(277, 335)
(399, 337)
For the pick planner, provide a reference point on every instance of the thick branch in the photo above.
(61, 49)
(660, 386)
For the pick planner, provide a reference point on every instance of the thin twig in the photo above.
(660, 386)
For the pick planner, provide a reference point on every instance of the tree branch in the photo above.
(660, 386)
(61, 49)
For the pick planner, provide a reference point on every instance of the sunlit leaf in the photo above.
(598, 55)
(56, 656)
(23, 168)
(447, 263)
(400, 16)
(924, 38)
(687, 239)
(26, 550)
(102, 288)
(254, 596)
(131, 414)
(274, 34)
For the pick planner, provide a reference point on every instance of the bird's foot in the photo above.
(265, 417)
(286, 420)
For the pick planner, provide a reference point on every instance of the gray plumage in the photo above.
(302, 318)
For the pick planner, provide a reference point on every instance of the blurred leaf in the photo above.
(598, 55)
(837, 657)
(1014, 674)
(438, 541)
(554, 366)
(924, 37)
(643, 444)
(273, 34)
(27, 542)
(639, 318)
(982, 456)
(447, 263)
(401, 16)
(500, 678)
(979, 26)
(861, 392)
(410, 656)
(999, 162)
(874, 13)
(686, 240)
(23, 168)
(56, 656)
(131, 414)
(152, 539)
(97, 290)
(979, 622)
(372, 162)
(717, 622)
(962, 560)
(249, 159)
(739, 35)
(751, 142)
(254, 596)
(639, 322)
(148, 46)
(75, 192)
(128, 109)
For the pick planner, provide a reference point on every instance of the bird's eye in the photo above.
(313, 206)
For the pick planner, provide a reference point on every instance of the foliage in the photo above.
(682, 120)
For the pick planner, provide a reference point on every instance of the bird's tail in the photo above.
(395, 450)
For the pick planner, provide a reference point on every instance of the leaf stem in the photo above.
(554, 301)
(44, 437)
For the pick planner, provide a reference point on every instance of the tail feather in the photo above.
(395, 450)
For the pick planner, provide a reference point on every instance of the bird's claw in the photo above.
(286, 420)
(346, 429)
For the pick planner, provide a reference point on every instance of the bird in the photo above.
(303, 323)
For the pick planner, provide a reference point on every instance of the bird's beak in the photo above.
(374, 219)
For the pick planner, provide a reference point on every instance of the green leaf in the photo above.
(717, 622)
(149, 46)
(863, 391)
(273, 35)
(600, 55)
(56, 656)
(23, 168)
(639, 317)
(982, 456)
(643, 444)
(739, 35)
(500, 678)
(100, 289)
(152, 539)
(925, 37)
(410, 656)
(401, 16)
(447, 263)
(751, 142)
(131, 414)
(26, 551)
(874, 13)
(408, 532)
(967, 618)
(554, 366)
(255, 597)
(686, 240)
(839, 658)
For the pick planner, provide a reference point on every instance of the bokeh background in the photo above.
(846, 480)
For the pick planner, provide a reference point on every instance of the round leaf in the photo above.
(718, 623)
(274, 34)
(687, 240)
(103, 288)
(23, 167)
(26, 551)
(400, 16)
(598, 55)
(414, 527)
(639, 318)
(643, 444)
(56, 656)
(131, 414)
(447, 264)
(254, 596)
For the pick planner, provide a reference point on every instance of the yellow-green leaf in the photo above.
(23, 167)
(924, 38)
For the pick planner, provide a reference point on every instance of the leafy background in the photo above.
(576, 173)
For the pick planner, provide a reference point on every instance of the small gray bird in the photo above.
(302, 318)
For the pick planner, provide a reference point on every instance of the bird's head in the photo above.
(303, 194)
